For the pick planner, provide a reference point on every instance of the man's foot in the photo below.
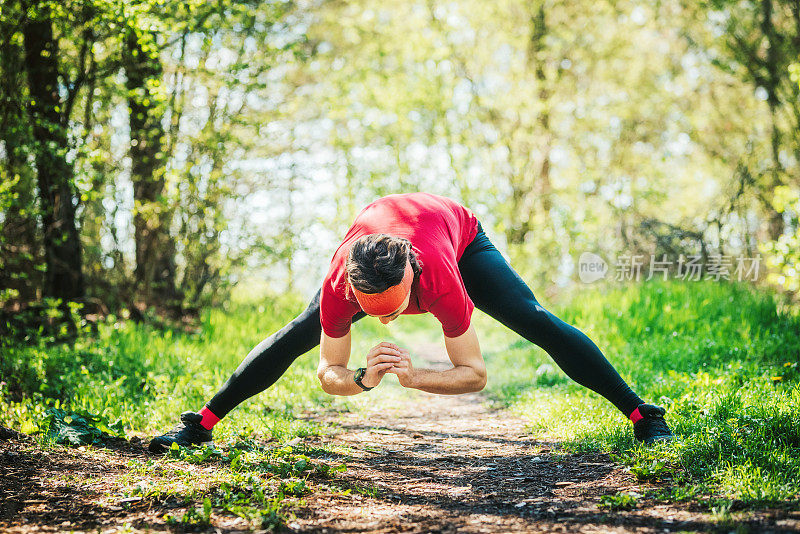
(186, 433)
(651, 427)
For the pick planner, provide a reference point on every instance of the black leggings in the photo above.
(495, 288)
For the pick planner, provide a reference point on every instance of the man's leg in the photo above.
(259, 370)
(498, 290)
(270, 359)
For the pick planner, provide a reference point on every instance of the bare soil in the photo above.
(450, 464)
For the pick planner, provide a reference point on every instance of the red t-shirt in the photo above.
(439, 230)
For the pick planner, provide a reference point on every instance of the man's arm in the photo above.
(337, 379)
(467, 375)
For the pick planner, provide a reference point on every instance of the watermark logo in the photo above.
(591, 267)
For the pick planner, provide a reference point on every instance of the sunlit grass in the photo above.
(140, 378)
(720, 357)
(145, 377)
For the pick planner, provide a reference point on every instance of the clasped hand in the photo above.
(385, 358)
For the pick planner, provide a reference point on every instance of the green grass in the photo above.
(721, 357)
(147, 377)
(132, 379)
(144, 377)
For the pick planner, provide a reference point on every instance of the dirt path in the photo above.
(451, 464)
(419, 463)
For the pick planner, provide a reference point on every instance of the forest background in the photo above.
(156, 153)
(175, 176)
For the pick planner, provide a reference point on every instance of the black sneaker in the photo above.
(651, 427)
(186, 433)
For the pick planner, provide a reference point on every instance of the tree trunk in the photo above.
(539, 31)
(534, 179)
(772, 80)
(155, 270)
(63, 277)
(18, 244)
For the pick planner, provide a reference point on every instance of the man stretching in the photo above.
(408, 254)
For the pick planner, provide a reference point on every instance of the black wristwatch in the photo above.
(359, 374)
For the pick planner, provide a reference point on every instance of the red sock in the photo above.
(209, 419)
(635, 415)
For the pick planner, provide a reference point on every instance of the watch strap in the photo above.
(358, 375)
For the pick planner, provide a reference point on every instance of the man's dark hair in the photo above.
(378, 261)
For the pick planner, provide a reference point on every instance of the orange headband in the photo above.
(389, 300)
